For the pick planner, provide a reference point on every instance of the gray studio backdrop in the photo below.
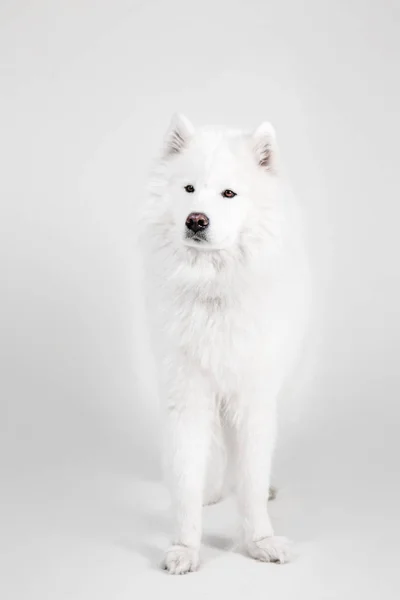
(87, 90)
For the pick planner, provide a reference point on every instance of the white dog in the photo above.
(227, 274)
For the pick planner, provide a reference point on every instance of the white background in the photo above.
(87, 90)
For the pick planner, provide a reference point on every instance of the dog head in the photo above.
(216, 190)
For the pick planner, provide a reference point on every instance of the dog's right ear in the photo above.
(178, 135)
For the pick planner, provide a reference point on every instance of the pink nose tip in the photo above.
(197, 222)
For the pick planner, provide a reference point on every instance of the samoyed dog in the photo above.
(228, 295)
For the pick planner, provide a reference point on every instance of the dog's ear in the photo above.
(178, 135)
(264, 144)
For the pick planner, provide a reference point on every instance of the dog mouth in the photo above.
(197, 238)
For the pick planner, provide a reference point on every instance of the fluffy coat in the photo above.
(228, 308)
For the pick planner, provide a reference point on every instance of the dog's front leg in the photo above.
(255, 431)
(189, 417)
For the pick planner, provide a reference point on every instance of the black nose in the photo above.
(197, 222)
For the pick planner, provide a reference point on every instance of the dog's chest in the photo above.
(220, 335)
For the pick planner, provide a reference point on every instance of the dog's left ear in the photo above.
(264, 143)
(178, 135)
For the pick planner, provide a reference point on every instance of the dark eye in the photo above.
(189, 188)
(228, 194)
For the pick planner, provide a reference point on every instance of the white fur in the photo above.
(227, 317)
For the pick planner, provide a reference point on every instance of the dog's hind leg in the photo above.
(216, 488)
(220, 469)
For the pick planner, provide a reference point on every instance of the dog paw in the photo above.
(215, 498)
(179, 560)
(272, 493)
(271, 549)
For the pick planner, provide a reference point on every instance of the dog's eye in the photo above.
(189, 188)
(228, 194)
